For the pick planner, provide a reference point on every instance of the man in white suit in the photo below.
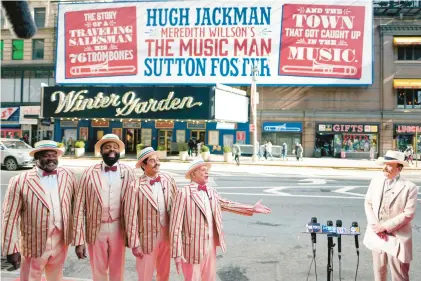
(390, 207)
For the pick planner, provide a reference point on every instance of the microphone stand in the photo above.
(330, 246)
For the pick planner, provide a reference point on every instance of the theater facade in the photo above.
(151, 116)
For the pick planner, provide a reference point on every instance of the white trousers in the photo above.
(51, 261)
(107, 254)
(206, 270)
(159, 259)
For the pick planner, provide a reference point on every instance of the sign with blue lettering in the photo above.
(291, 42)
(290, 127)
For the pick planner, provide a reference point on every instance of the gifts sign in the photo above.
(322, 41)
(101, 42)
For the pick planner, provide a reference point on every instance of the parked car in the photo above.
(15, 153)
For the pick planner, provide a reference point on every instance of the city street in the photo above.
(272, 247)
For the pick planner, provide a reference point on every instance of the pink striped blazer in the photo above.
(188, 230)
(141, 215)
(26, 201)
(88, 202)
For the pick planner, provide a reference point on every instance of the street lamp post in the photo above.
(253, 96)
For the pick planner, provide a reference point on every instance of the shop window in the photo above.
(409, 98)
(409, 52)
(17, 49)
(39, 17)
(38, 49)
(1, 49)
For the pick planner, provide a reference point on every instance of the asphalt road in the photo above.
(272, 247)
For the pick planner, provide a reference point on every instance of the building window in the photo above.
(17, 51)
(409, 98)
(39, 17)
(1, 49)
(38, 49)
(10, 86)
(2, 19)
(409, 52)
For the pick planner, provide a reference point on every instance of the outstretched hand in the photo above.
(260, 209)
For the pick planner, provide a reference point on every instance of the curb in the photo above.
(259, 164)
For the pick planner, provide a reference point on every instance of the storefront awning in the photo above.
(407, 83)
(407, 40)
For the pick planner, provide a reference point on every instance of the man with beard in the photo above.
(41, 200)
(98, 200)
(390, 205)
(196, 224)
(147, 207)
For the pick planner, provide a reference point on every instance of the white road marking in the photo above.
(312, 181)
(291, 195)
(275, 190)
(345, 190)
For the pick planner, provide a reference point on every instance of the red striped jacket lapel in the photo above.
(167, 186)
(62, 182)
(97, 182)
(146, 189)
(35, 184)
(197, 199)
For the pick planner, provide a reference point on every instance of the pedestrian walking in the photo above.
(147, 207)
(37, 216)
(269, 150)
(191, 145)
(390, 205)
(409, 154)
(284, 151)
(196, 224)
(237, 153)
(97, 215)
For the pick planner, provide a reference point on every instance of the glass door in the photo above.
(165, 139)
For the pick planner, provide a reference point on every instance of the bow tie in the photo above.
(202, 187)
(112, 169)
(158, 179)
(46, 174)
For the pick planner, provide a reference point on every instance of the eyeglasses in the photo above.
(153, 161)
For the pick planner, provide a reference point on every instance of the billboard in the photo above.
(292, 42)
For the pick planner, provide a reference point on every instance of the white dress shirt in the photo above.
(110, 193)
(50, 186)
(158, 195)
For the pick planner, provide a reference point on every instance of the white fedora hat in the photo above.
(196, 164)
(145, 153)
(46, 145)
(393, 157)
(109, 138)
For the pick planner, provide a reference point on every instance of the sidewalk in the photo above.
(14, 276)
(333, 163)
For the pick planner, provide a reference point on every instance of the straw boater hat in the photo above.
(109, 138)
(145, 153)
(195, 164)
(46, 145)
(393, 157)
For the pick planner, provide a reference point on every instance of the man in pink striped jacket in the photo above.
(37, 216)
(98, 217)
(196, 224)
(147, 206)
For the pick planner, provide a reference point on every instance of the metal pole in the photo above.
(253, 94)
(416, 146)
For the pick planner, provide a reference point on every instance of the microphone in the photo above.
(20, 17)
(313, 235)
(355, 230)
(339, 225)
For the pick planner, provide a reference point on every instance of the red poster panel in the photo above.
(322, 41)
(101, 42)
(241, 136)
